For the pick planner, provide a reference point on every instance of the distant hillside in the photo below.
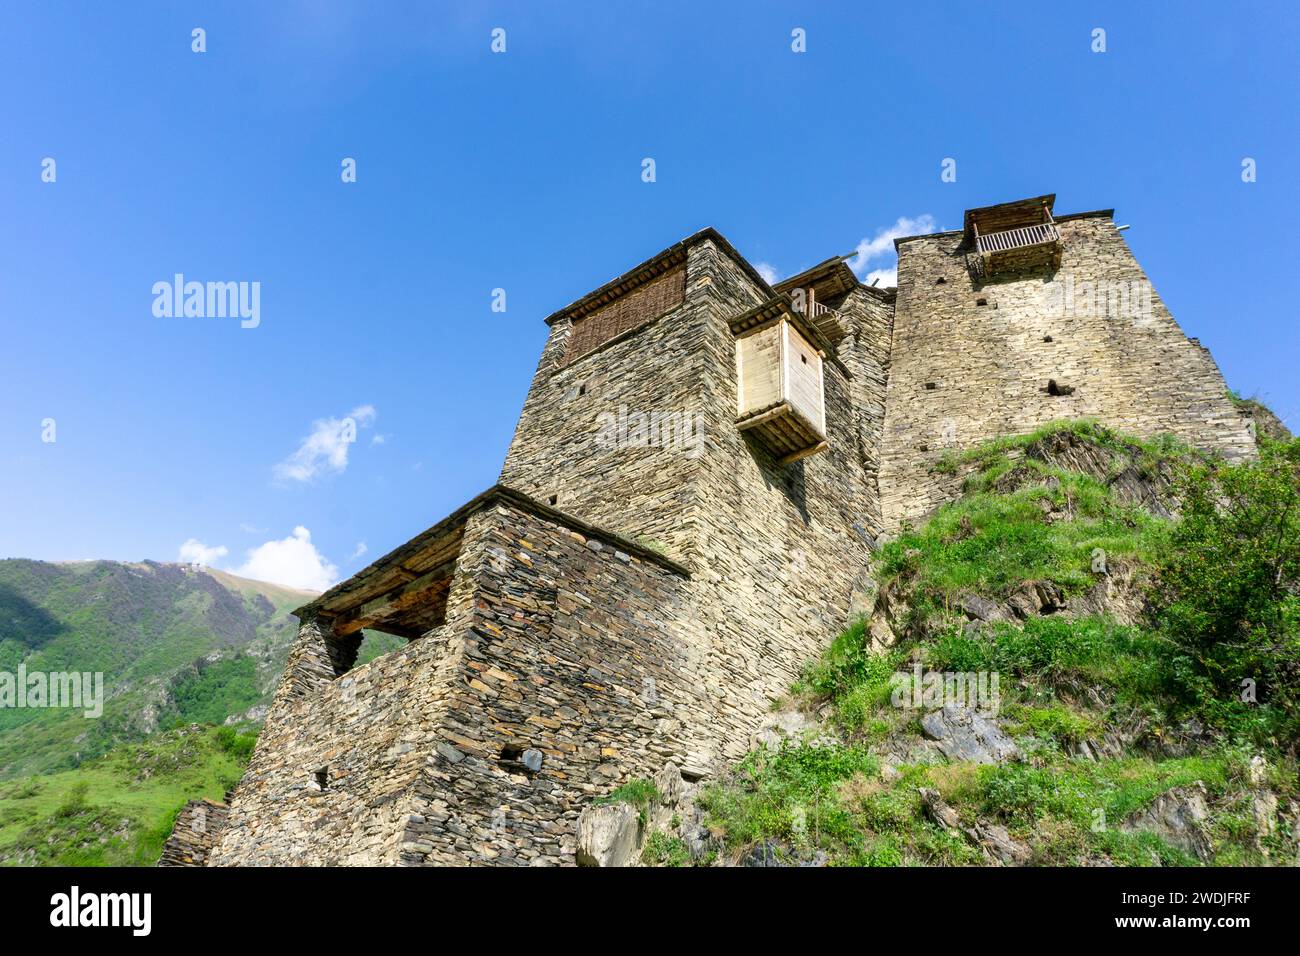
(175, 645)
(117, 810)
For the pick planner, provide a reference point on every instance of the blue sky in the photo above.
(522, 171)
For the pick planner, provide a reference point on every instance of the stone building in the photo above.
(686, 515)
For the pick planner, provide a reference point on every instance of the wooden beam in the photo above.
(803, 453)
(392, 602)
(766, 416)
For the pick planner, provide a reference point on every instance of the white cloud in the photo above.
(887, 277)
(882, 245)
(292, 561)
(768, 272)
(326, 448)
(247, 528)
(359, 550)
(194, 551)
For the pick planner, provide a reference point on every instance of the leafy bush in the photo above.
(1228, 591)
(790, 794)
(238, 745)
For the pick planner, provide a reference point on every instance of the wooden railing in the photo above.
(819, 310)
(1017, 238)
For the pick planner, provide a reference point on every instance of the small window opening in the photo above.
(1054, 389)
(804, 359)
(981, 301)
(553, 499)
(582, 389)
(511, 753)
(321, 778)
(1047, 338)
(940, 281)
(930, 386)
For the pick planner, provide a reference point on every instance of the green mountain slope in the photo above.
(118, 809)
(175, 645)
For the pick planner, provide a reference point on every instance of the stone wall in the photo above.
(197, 828)
(776, 551)
(865, 351)
(565, 667)
(575, 674)
(962, 372)
(780, 549)
(585, 441)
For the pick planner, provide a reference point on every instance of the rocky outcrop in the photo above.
(609, 835)
(617, 834)
(964, 734)
(1265, 424)
(993, 839)
(1179, 817)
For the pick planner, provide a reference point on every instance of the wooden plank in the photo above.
(804, 453)
(394, 602)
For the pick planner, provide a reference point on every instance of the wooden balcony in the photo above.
(1014, 236)
(779, 378)
(1020, 238)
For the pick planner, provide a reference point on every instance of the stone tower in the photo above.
(702, 468)
(1022, 318)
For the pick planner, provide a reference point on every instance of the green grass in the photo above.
(989, 543)
(117, 810)
(637, 792)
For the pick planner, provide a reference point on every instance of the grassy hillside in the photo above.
(176, 645)
(1122, 640)
(152, 630)
(117, 810)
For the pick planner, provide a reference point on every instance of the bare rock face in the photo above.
(997, 843)
(790, 725)
(609, 835)
(964, 734)
(994, 839)
(938, 811)
(1178, 817)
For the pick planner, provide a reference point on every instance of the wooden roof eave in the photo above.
(778, 307)
(433, 548)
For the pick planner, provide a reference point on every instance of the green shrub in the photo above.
(238, 745)
(1228, 586)
(663, 850)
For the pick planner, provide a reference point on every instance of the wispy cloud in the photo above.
(325, 449)
(358, 551)
(194, 551)
(292, 561)
(768, 272)
(881, 246)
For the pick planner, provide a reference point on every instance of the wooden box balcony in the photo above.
(779, 375)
